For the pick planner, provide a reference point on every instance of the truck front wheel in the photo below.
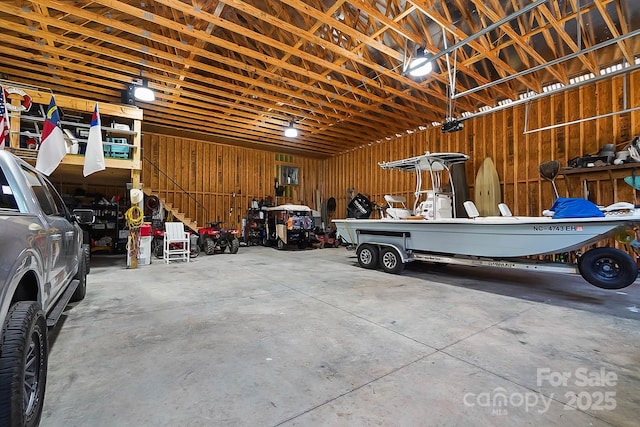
(23, 365)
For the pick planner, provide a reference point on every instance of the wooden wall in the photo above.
(224, 179)
(517, 156)
(214, 182)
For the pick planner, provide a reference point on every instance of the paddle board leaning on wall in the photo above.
(487, 189)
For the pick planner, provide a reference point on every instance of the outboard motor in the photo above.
(359, 207)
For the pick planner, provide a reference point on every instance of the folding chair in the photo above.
(176, 242)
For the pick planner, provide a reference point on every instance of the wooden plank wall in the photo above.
(224, 179)
(214, 182)
(517, 155)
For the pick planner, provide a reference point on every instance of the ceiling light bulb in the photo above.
(143, 93)
(420, 67)
(291, 132)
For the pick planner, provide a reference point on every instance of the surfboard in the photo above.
(487, 189)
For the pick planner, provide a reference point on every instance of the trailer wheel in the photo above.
(367, 256)
(23, 365)
(608, 268)
(390, 261)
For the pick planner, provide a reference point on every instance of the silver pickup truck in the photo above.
(43, 266)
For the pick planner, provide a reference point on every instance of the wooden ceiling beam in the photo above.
(427, 7)
(628, 56)
(157, 53)
(238, 29)
(551, 19)
(521, 41)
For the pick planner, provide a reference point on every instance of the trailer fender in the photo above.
(404, 255)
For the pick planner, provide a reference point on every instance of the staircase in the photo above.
(175, 211)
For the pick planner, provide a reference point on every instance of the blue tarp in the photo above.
(565, 207)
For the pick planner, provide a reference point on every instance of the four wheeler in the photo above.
(157, 244)
(216, 238)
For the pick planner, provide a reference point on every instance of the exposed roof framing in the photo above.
(240, 70)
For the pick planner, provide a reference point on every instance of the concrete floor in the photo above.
(305, 338)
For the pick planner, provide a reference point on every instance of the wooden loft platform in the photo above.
(70, 170)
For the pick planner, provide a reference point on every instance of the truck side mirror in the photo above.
(84, 216)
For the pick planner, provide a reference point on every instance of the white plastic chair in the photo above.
(176, 242)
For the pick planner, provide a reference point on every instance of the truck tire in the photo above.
(234, 246)
(81, 275)
(86, 249)
(23, 365)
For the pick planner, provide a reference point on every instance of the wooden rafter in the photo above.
(238, 70)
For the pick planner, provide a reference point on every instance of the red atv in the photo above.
(215, 238)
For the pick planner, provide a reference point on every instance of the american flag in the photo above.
(4, 120)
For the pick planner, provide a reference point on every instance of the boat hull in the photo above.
(496, 237)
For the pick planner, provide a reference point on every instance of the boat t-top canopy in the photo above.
(434, 163)
(426, 162)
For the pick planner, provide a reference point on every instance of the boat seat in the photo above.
(396, 212)
(472, 210)
(504, 209)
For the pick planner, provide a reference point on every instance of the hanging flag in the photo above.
(94, 155)
(5, 127)
(52, 145)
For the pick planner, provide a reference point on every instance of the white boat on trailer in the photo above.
(433, 231)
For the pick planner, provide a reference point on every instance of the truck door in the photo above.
(61, 235)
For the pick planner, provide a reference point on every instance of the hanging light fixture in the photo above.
(421, 64)
(290, 131)
(143, 93)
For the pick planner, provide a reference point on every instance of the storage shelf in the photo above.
(577, 171)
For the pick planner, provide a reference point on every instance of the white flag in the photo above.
(94, 155)
(52, 145)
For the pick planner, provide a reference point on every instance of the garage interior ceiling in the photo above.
(242, 70)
